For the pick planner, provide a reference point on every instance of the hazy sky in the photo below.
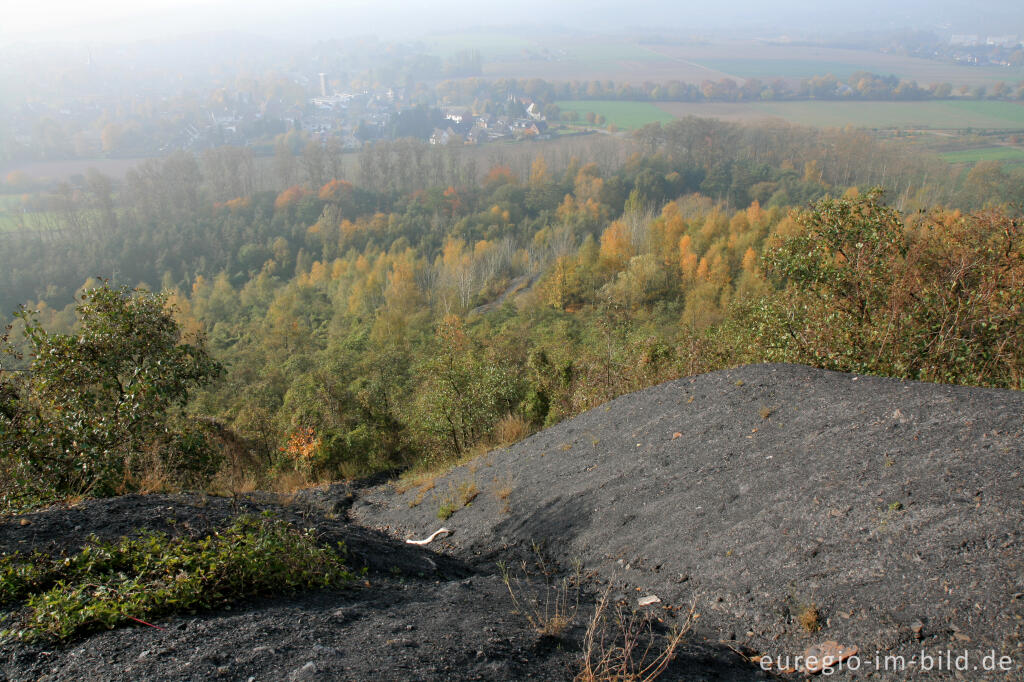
(130, 20)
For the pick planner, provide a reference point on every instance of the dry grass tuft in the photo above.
(511, 429)
(155, 480)
(502, 490)
(809, 618)
(231, 481)
(422, 479)
(446, 507)
(290, 482)
(468, 492)
(454, 499)
(418, 500)
(620, 646)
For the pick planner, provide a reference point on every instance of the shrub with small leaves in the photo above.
(93, 401)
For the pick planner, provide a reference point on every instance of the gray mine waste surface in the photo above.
(789, 506)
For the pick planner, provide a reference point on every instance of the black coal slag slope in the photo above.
(895, 508)
(413, 615)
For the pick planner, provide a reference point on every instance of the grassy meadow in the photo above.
(626, 115)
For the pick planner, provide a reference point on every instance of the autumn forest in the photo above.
(417, 304)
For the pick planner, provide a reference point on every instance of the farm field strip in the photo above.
(942, 115)
(1010, 154)
(770, 69)
(793, 62)
(555, 57)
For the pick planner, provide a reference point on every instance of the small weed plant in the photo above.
(107, 584)
(551, 612)
(446, 508)
(621, 645)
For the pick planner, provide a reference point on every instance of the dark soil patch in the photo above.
(418, 615)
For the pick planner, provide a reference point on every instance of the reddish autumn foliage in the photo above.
(335, 190)
(289, 197)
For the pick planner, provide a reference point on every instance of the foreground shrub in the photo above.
(108, 584)
(858, 290)
(92, 402)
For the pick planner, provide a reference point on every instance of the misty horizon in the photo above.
(114, 21)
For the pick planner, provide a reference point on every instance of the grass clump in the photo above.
(468, 492)
(512, 428)
(502, 492)
(107, 584)
(456, 498)
(809, 618)
(446, 508)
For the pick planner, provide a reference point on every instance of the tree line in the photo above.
(492, 95)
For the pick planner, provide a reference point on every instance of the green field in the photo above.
(627, 115)
(7, 222)
(941, 115)
(1010, 154)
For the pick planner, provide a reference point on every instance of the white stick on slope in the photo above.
(432, 537)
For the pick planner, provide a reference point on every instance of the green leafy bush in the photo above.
(465, 391)
(107, 584)
(92, 402)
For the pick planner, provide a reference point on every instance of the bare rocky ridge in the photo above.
(894, 508)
